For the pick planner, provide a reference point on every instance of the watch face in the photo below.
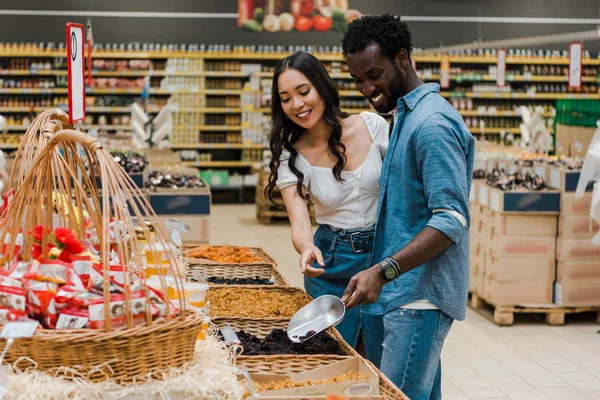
(390, 273)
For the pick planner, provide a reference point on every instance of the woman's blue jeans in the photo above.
(346, 253)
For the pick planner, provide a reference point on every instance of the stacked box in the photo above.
(520, 258)
(578, 259)
(477, 247)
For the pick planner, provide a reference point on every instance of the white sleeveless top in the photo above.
(351, 204)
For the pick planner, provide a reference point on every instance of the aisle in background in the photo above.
(528, 361)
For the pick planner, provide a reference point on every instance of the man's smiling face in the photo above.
(377, 77)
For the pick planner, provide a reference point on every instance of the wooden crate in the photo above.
(267, 212)
(295, 364)
(505, 315)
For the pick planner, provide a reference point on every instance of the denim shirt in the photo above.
(425, 181)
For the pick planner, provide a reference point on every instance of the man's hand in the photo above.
(310, 253)
(366, 286)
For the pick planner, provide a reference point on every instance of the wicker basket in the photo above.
(265, 271)
(266, 259)
(252, 299)
(262, 328)
(294, 364)
(121, 353)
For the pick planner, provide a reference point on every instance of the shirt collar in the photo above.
(413, 97)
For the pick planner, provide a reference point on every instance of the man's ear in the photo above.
(402, 59)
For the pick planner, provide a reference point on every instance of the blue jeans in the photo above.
(346, 253)
(411, 351)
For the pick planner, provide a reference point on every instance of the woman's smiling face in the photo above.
(299, 99)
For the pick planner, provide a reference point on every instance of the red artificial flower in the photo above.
(63, 235)
(37, 251)
(38, 233)
(65, 256)
(74, 246)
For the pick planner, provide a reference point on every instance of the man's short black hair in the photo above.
(386, 30)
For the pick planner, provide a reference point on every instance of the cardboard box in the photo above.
(562, 140)
(578, 227)
(517, 270)
(362, 389)
(577, 293)
(199, 228)
(541, 169)
(521, 247)
(567, 271)
(543, 202)
(521, 225)
(565, 180)
(572, 206)
(483, 194)
(517, 293)
(573, 141)
(581, 137)
(576, 249)
(475, 189)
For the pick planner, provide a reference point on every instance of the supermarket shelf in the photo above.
(532, 96)
(9, 146)
(222, 164)
(34, 91)
(476, 113)
(108, 127)
(216, 92)
(424, 58)
(89, 109)
(199, 146)
(350, 93)
(494, 131)
(211, 110)
(228, 128)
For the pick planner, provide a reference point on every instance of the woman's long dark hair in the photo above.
(284, 133)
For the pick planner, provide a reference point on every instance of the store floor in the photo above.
(527, 361)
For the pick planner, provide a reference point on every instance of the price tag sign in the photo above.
(501, 68)
(15, 330)
(575, 64)
(445, 72)
(75, 72)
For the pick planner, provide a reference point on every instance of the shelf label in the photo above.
(75, 72)
(575, 64)
(501, 68)
(15, 330)
(445, 72)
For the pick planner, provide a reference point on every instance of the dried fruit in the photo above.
(255, 303)
(277, 342)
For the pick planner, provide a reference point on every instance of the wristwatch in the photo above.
(390, 270)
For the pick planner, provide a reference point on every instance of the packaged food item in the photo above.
(73, 318)
(197, 293)
(117, 309)
(12, 300)
(39, 295)
(53, 271)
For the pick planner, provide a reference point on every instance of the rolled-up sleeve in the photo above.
(442, 164)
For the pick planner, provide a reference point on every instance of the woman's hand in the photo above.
(309, 254)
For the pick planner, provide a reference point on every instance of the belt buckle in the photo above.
(352, 243)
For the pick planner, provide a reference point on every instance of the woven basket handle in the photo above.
(66, 135)
(60, 115)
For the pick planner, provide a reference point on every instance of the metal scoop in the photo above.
(320, 314)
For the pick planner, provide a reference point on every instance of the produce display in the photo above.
(158, 179)
(132, 162)
(255, 303)
(288, 383)
(515, 182)
(277, 342)
(231, 254)
(239, 281)
(301, 15)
